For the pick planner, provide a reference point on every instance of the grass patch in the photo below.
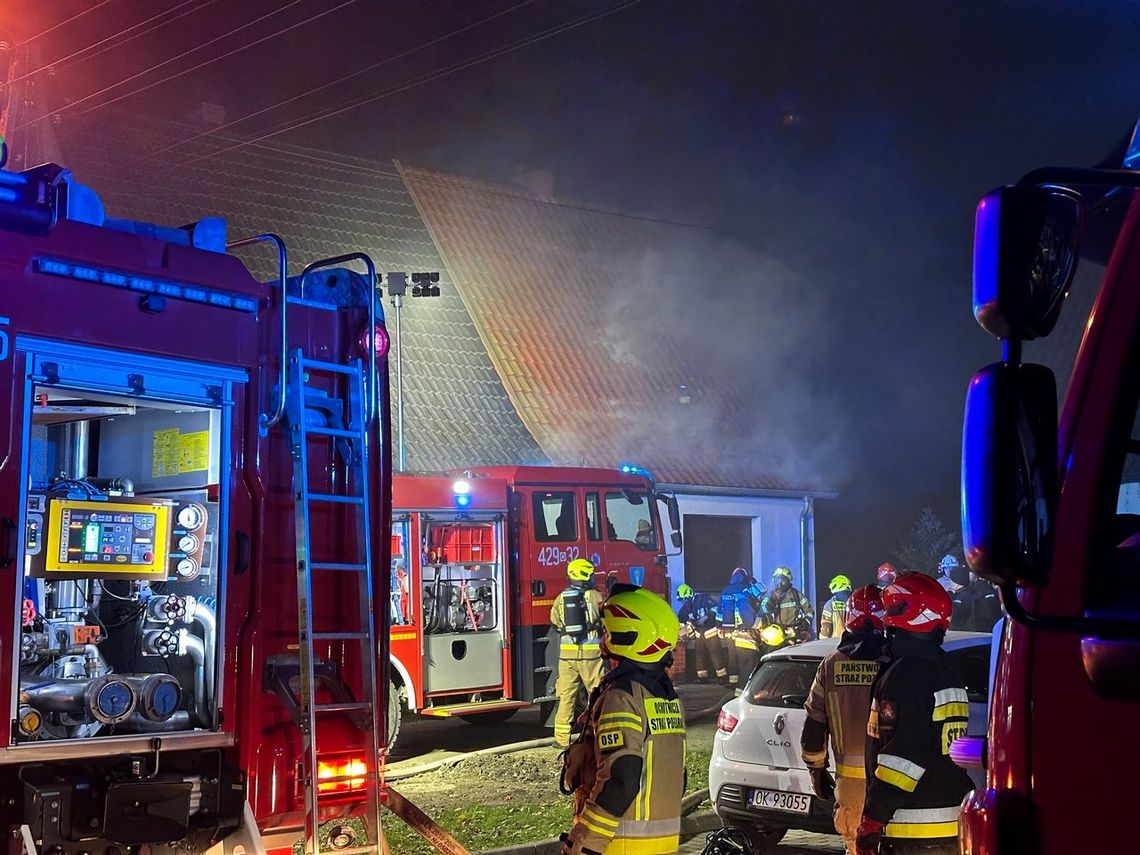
(697, 764)
(481, 827)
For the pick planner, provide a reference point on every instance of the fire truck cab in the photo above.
(1051, 513)
(160, 642)
(478, 557)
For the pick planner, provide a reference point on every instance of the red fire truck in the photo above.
(1051, 513)
(194, 487)
(477, 559)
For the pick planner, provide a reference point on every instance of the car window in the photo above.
(973, 664)
(555, 517)
(593, 520)
(628, 518)
(781, 682)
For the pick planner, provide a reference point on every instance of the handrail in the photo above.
(266, 420)
(372, 408)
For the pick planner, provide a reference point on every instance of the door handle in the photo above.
(1112, 665)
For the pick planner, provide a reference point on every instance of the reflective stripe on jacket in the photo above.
(919, 707)
(839, 703)
(590, 647)
(833, 618)
(631, 803)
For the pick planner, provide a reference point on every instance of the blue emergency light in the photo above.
(462, 491)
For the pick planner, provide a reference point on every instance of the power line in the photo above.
(123, 32)
(342, 79)
(64, 22)
(185, 53)
(404, 87)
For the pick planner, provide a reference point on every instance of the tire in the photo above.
(394, 714)
(489, 719)
(763, 837)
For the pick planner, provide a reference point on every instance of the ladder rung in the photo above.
(347, 706)
(341, 779)
(352, 568)
(339, 500)
(330, 431)
(330, 367)
(340, 636)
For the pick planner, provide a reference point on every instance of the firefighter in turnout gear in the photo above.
(736, 615)
(838, 707)
(918, 708)
(576, 614)
(831, 618)
(886, 574)
(699, 621)
(787, 607)
(627, 769)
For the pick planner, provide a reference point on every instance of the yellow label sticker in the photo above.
(664, 716)
(194, 451)
(855, 672)
(164, 457)
(951, 731)
(610, 740)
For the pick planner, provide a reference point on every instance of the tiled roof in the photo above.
(596, 380)
(457, 412)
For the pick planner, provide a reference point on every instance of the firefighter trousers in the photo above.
(709, 657)
(849, 796)
(575, 676)
(728, 649)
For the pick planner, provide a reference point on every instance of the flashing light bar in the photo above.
(146, 285)
(462, 491)
(630, 469)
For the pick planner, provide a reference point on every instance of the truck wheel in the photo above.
(393, 713)
(489, 719)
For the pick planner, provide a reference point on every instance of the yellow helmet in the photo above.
(684, 592)
(639, 625)
(773, 635)
(839, 583)
(580, 570)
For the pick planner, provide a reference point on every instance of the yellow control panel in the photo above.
(127, 539)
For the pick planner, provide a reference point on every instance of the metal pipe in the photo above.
(119, 485)
(805, 561)
(108, 699)
(267, 420)
(156, 703)
(205, 617)
(80, 449)
(179, 721)
(193, 647)
(402, 457)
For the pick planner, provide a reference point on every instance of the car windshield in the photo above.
(781, 682)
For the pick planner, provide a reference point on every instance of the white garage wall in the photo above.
(776, 536)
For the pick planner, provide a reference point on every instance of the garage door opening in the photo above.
(713, 546)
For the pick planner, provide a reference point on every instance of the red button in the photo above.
(148, 556)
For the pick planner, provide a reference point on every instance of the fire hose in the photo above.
(422, 824)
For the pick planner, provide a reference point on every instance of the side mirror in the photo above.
(1026, 244)
(674, 515)
(675, 539)
(1009, 473)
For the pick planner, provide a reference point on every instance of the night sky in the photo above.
(845, 142)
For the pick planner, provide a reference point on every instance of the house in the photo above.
(550, 342)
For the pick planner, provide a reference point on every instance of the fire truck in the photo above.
(1051, 511)
(478, 557)
(194, 489)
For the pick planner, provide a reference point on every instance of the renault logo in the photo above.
(779, 724)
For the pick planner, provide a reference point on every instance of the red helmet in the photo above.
(916, 602)
(886, 574)
(865, 606)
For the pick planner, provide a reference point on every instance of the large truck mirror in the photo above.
(1026, 245)
(1009, 473)
(675, 539)
(674, 516)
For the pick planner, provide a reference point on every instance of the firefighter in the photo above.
(831, 617)
(788, 608)
(576, 614)
(975, 602)
(918, 708)
(627, 769)
(699, 621)
(945, 567)
(886, 574)
(838, 707)
(731, 600)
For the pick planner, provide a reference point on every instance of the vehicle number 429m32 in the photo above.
(775, 800)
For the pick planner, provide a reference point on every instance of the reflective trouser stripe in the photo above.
(665, 845)
(923, 823)
(745, 643)
(649, 828)
(814, 758)
(850, 771)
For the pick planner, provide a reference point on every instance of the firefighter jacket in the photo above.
(839, 703)
(738, 606)
(918, 708)
(833, 616)
(577, 615)
(976, 607)
(791, 610)
(628, 791)
(699, 612)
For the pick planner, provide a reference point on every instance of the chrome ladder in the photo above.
(347, 435)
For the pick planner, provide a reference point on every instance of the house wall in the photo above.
(777, 538)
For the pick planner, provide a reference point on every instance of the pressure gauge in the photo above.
(187, 568)
(191, 517)
(188, 543)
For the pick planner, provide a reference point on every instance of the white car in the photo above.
(757, 780)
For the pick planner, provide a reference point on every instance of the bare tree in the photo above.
(926, 542)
